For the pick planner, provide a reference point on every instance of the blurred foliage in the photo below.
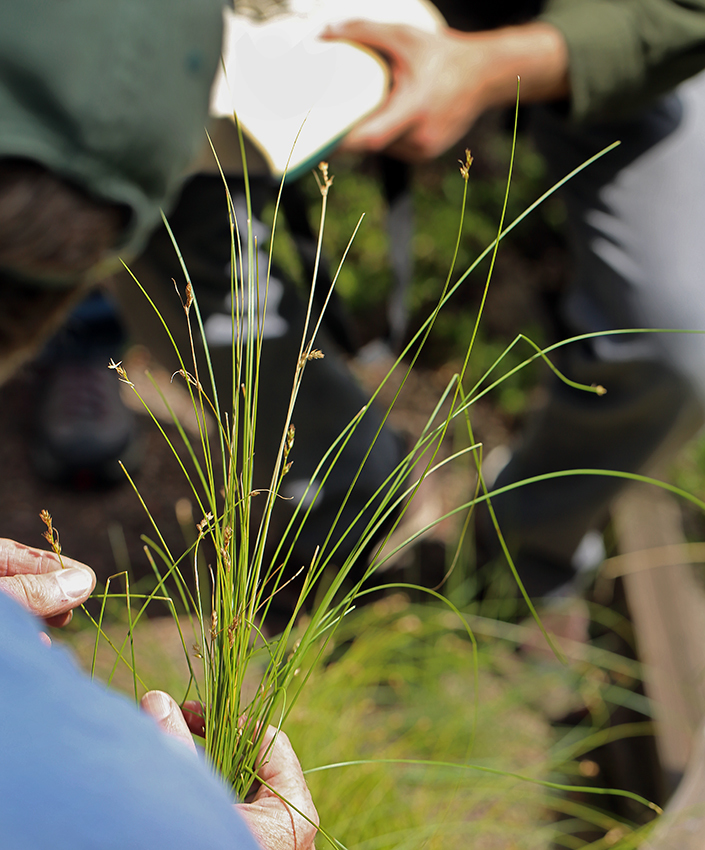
(366, 280)
(400, 685)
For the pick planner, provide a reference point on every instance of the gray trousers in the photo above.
(636, 221)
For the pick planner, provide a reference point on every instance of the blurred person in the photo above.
(594, 73)
(96, 136)
(102, 108)
(82, 770)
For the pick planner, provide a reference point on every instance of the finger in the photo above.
(391, 122)
(165, 710)
(415, 147)
(16, 559)
(50, 594)
(384, 38)
(60, 620)
(194, 716)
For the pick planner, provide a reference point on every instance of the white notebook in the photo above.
(296, 95)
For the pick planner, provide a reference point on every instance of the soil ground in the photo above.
(101, 528)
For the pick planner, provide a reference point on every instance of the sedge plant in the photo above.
(225, 583)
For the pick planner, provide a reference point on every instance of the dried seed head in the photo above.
(290, 434)
(311, 354)
(465, 166)
(214, 624)
(324, 181)
(188, 301)
(205, 522)
(51, 535)
(120, 369)
(188, 377)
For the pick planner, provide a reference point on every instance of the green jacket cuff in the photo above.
(604, 50)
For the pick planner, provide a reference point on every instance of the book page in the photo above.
(296, 95)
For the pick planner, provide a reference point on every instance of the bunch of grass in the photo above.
(227, 601)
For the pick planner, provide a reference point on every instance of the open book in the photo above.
(296, 95)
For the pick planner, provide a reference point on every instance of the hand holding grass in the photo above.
(280, 812)
(48, 585)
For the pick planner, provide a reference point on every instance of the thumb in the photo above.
(166, 711)
(50, 594)
(381, 37)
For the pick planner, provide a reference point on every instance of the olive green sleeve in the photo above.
(623, 53)
(111, 95)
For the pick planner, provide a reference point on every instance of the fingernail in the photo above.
(73, 582)
(158, 704)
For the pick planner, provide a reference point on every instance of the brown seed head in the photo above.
(465, 166)
(290, 434)
(324, 181)
(120, 369)
(51, 535)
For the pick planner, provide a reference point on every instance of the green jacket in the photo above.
(623, 53)
(111, 94)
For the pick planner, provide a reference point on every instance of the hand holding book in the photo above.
(443, 80)
(297, 94)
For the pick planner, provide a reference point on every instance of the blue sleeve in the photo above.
(82, 769)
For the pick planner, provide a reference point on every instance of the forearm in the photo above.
(536, 53)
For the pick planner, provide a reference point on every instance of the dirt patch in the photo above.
(101, 528)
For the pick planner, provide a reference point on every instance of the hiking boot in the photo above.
(81, 426)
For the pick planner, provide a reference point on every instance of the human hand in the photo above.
(432, 101)
(273, 812)
(442, 81)
(36, 580)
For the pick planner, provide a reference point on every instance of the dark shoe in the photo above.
(82, 428)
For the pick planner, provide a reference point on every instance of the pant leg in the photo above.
(635, 219)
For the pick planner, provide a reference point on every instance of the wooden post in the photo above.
(682, 826)
(667, 607)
